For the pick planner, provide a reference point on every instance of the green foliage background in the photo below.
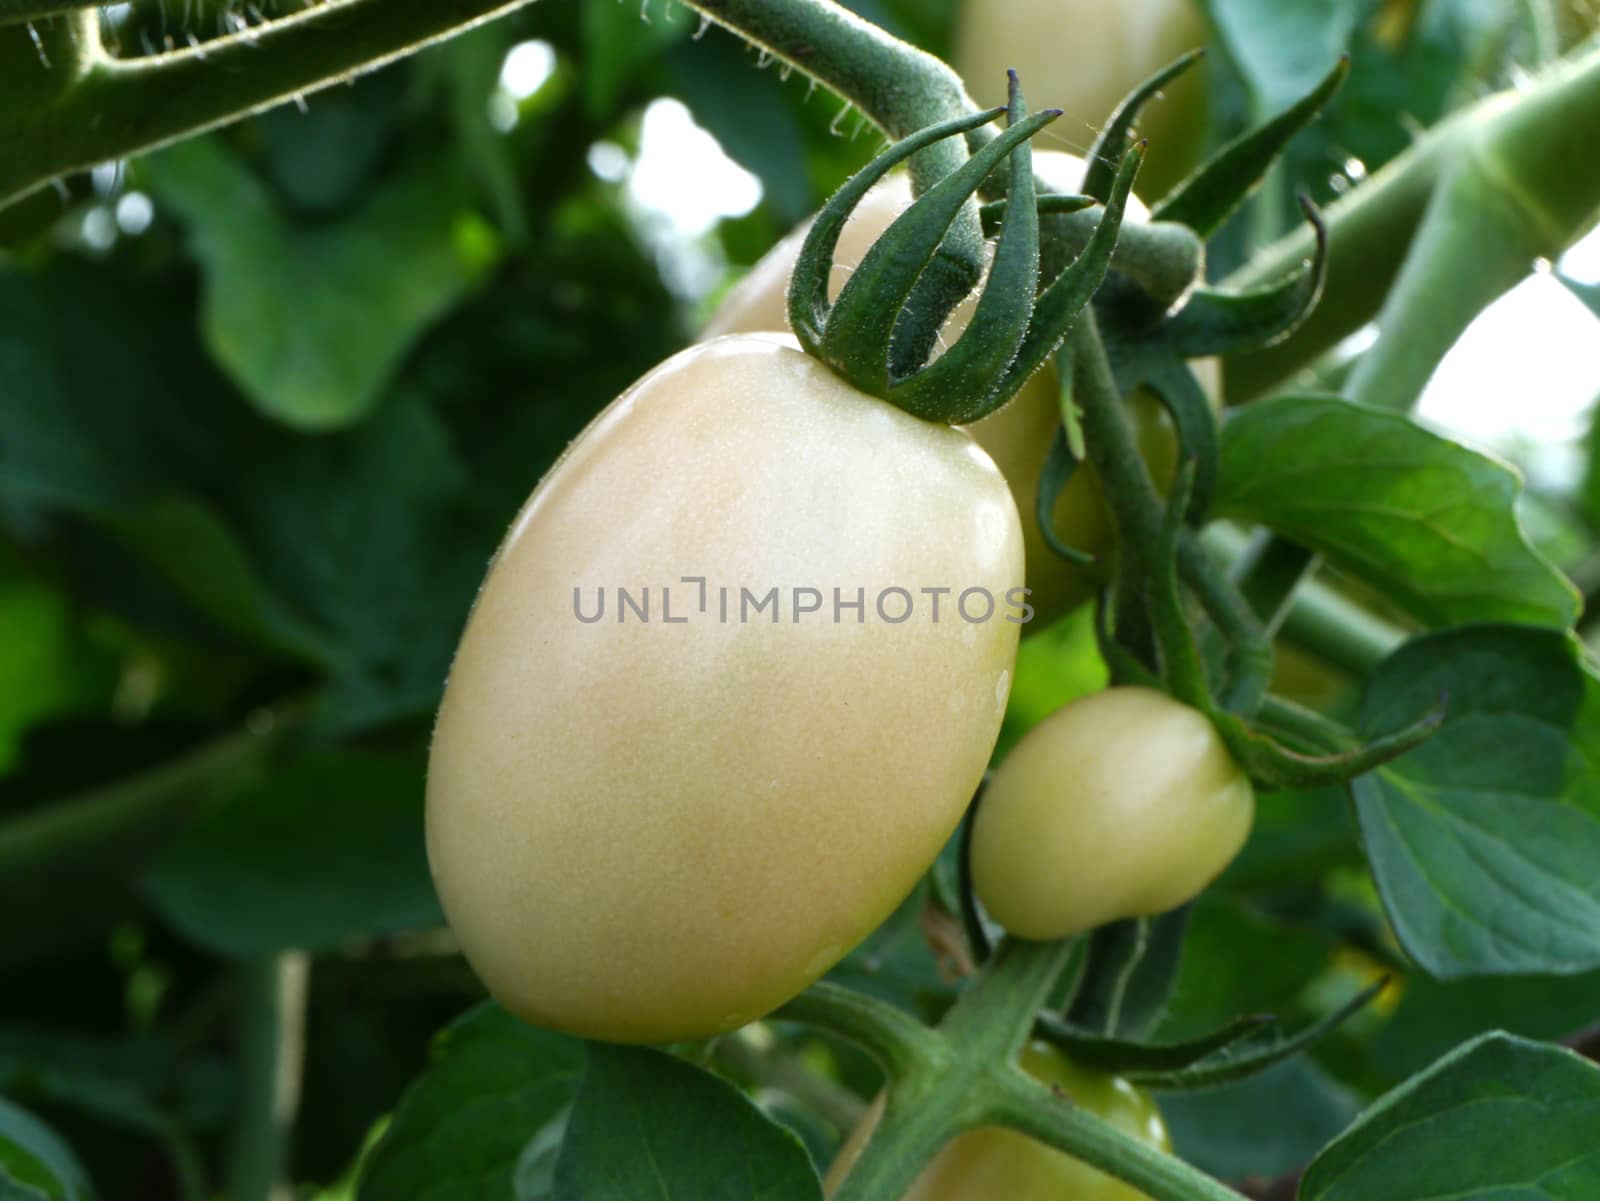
(254, 458)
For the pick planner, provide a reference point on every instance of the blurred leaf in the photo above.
(1435, 1016)
(749, 114)
(1263, 1126)
(313, 321)
(1283, 50)
(34, 672)
(320, 152)
(1427, 520)
(619, 36)
(461, 1129)
(646, 1125)
(1483, 840)
(327, 850)
(1500, 1118)
(34, 1162)
(1237, 960)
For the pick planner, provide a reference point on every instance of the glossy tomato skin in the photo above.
(650, 831)
(994, 1163)
(1122, 804)
(1018, 436)
(1084, 57)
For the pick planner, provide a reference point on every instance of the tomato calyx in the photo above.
(862, 334)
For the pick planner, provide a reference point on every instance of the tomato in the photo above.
(1085, 56)
(993, 1163)
(1121, 804)
(1018, 437)
(657, 830)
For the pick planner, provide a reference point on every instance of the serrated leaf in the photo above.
(312, 321)
(34, 1161)
(1483, 840)
(460, 1130)
(1430, 522)
(1501, 1118)
(649, 1127)
(244, 878)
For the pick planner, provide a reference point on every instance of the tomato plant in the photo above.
(468, 730)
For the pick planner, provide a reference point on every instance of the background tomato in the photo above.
(995, 1163)
(1085, 56)
(1123, 804)
(654, 831)
(1018, 437)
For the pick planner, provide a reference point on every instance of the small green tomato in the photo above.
(1122, 804)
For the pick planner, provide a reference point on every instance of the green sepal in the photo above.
(1113, 139)
(1058, 306)
(1059, 467)
(965, 374)
(1123, 1056)
(1248, 1056)
(808, 285)
(1219, 186)
(1181, 663)
(1128, 971)
(1124, 666)
(1046, 204)
(1273, 765)
(1215, 322)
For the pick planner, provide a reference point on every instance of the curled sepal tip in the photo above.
(1209, 197)
(1272, 765)
(1058, 306)
(1215, 322)
(1108, 147)
(958, 385)
(808, 286)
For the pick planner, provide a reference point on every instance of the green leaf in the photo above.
(327, 850)
(35, 1163)
(1263, 1126)
(461, 1129)
(1483, 840)
(1500, 1118)
(1435, 1016)
(1282, 50)
(313, 321)
(648, 1127)
(1428, 521)
(620, 37)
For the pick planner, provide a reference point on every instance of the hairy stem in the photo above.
(896, 1040)
(120, 107)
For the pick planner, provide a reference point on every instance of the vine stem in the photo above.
(896, 1040)
(117, 107)
(968, 1077)
(271, 996)
(1022, 1103)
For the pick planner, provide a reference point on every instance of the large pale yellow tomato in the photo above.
(704, 731)
(1018, 437)
(994, 1164)
(1121, 804)
(1084, 57)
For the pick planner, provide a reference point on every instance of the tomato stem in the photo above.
(900, 1043)
(1022, 1103)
